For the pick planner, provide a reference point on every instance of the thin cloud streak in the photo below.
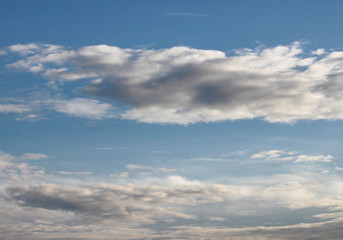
(187, 14)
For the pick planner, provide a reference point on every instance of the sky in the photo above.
(171, 119)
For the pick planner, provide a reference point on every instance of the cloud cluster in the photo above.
(185, 85)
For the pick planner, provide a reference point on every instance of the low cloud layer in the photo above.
(185, 85)
(40, 204)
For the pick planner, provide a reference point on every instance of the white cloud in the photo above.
(319, 158)
(134, 166)
(121, 175)
(280, 156)
(25, 49)
(14, 108)
(37, 105)
(185, 85)
(216, 219)
(32, 156)
(140, 167)
(319, 51)
(11, 170)
(82, 107)
(69, 173)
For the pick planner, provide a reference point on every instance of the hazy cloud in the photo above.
(32, 156)
(74, 107)
(82, 107)
(14, 108)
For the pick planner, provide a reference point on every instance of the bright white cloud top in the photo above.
(185, 85)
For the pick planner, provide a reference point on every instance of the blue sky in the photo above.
(171, 120)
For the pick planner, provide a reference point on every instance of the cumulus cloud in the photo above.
(185, 85)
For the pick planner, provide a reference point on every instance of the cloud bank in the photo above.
(184, 85)
(38, 203)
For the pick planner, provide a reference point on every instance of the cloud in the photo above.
(40, 204)
(82, 107)
(32, 156)
(182, 207)
(184, 85)
(187, 14)
(14, 108)
(24, 49)
(69, 173)
(12, 170)
(280, 156)
(38, 104)
(319, 158)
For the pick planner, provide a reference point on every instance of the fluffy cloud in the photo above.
(185, 85)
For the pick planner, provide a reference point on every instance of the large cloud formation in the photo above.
(184, 85)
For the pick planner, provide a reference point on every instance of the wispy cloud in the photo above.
(187, 14)
(296, 157)
(111, 148)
